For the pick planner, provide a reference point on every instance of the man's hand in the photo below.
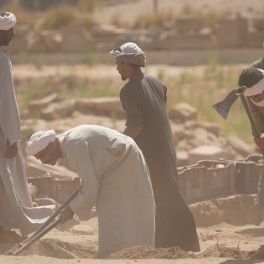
(10, 151)
(132, 131)
(66, 214)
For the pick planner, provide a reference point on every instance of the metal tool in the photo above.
(223, 107)
(46, 227)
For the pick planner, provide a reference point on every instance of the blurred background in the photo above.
(197, 48)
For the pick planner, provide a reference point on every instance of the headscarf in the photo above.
(257, 88)
(130, 53)
(7, 21)
(39, 141)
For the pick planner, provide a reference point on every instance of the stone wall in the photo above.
(185, 33)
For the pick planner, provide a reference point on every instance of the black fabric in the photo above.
(144, 100)
(258, 64)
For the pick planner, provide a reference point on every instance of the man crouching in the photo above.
(115, 177)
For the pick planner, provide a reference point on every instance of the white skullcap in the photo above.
(130, 53)
(7, 21)
(40, 141)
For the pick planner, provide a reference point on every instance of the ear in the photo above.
(126, 65)
(52, 145)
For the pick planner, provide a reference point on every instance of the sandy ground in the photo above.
(77, 242)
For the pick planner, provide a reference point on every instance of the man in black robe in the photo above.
(144, 100)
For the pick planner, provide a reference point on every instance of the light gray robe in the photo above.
(117, 180)
(16, 209)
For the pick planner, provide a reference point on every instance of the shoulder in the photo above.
(258, 64)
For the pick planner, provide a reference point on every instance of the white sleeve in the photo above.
(86, 198)
(9, 116)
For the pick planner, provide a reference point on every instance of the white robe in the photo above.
(16, 209)
(117, 180)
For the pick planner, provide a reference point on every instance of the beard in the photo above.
(4, 40)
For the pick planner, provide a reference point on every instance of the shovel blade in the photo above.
(223, 107)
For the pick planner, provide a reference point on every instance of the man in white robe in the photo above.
(16, 209)
(115, 177)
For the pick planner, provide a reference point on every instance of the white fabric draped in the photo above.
(117, 180)
(16, 209)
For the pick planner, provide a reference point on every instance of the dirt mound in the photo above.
(146, 252)
(52, 248)
(226, 252)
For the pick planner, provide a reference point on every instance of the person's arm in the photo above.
(10, 151)
(134, 118)
(84, 201)
(132, 131)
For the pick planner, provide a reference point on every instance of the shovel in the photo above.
(45, 228)
(223, 107)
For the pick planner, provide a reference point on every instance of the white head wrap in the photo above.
(130, 53)
(40, 141)
(258, 88)
(8, 21)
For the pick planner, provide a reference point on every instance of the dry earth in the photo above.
(220, 243)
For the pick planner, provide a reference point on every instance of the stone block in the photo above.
(173, 40)
(183, 111)
(232, 33)
(189, 23)
(208, 152)
(76, 39)
(255, 39)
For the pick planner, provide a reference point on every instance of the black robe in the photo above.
(144, 100)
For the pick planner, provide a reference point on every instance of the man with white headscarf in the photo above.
(144, 100)
(252, 78)
(115, 177)
(16, 209)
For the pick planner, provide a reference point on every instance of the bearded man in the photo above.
(115, 177)
(144, 100)
(16, 209)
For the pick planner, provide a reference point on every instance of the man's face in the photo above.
(6, 36)
(258, 97)
(48, 155)
(121, 69)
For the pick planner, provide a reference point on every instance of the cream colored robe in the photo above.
(117, 180)
(16, 210)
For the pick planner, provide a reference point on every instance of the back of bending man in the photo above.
(115, 177)
(144, 100)
(16, 209)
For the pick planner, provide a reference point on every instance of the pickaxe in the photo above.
(223, 107)
(46, 227)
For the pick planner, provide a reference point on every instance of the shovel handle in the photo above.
(251, 118)
(56, 213)
(38, 236)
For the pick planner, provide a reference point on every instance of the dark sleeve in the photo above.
(130, 105)
(165, 94)
(258, 64)
(258, 115)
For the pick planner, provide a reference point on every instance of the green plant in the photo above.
(58, 18)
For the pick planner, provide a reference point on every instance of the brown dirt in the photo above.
(145, 252)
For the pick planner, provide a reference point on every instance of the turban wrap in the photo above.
(130, 53)
(257, 88)
(7, 21)
(39, 141)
